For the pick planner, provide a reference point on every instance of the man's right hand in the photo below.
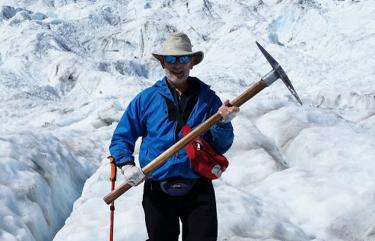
(133, 175)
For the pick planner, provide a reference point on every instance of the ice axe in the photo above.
(276, 73)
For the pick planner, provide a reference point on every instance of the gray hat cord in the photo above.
(179, 44)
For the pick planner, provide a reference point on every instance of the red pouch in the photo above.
(204, 159)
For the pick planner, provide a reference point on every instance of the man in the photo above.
(174, 191)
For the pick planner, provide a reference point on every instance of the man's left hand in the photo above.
(228, 112)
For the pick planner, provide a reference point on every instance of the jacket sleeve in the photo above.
(127, 132)
(221, 134)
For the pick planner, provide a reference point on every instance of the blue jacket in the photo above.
(147, 116)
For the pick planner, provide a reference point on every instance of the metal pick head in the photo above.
(279, 72)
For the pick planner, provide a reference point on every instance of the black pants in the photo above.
(196, 210)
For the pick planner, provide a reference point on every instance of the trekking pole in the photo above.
(112, 207)
(276, 73)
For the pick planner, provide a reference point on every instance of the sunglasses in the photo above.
(170, 59)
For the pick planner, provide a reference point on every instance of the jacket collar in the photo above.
(203, 95)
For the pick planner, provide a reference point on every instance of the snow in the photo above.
(68, 69)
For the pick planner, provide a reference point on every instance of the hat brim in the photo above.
(197, 56)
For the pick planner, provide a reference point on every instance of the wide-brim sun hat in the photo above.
(179, 44)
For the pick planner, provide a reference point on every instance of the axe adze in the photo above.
(276, 73)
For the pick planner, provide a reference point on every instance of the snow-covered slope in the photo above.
(69, 68)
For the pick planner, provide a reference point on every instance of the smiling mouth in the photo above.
(178, 73)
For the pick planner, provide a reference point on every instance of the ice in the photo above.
(68, 69)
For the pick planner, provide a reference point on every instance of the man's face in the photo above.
(177, 73)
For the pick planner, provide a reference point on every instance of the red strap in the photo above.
(185, 130)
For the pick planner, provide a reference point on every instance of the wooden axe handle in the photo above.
(245, 96)
(249, 93)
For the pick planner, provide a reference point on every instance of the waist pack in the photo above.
(204, 159)
(177, 186)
